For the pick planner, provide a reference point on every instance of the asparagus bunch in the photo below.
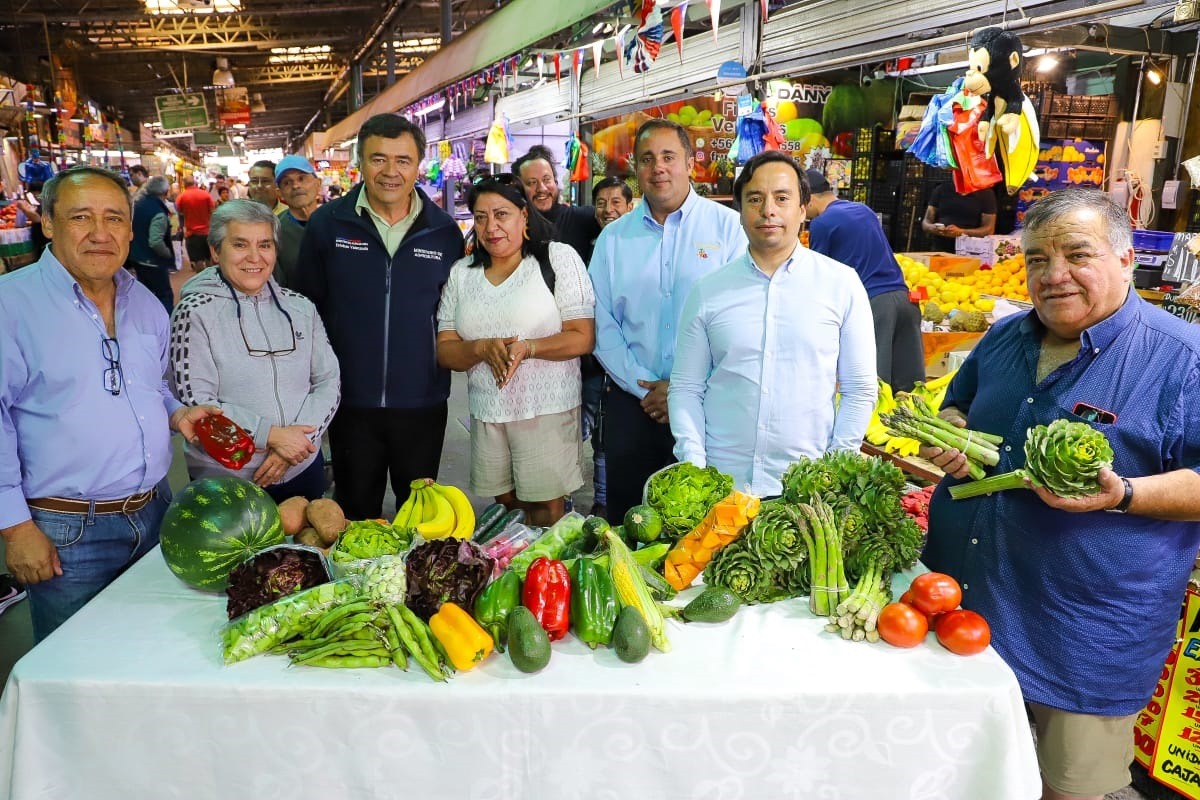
(827, 568)
(917, 420)
(855, 617)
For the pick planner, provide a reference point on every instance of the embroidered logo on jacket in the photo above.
(343, 243)
(703, 248)
(432, 255)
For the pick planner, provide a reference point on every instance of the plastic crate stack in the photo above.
(917, 184)
(1066, 116)
(869, 168)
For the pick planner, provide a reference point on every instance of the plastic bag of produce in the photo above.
(272, 573)
(551, 544)
(384, 579)
(362, 542)
(514, 539)
(267, 626)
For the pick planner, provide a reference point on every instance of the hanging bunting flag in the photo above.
(597, 48)
(558, 68)
(714, 12)
(619, 39)
(644, 48)
(677, 16)
(577, 65)
(541, 63)
(764, 10)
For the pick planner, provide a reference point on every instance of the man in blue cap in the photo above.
(300, 191)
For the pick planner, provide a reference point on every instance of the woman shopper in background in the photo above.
(258, 351)
(515, 315)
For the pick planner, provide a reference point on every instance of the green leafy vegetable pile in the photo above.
(683, 493)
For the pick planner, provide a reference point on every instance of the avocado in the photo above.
(528, 643)
(630, 636)
(714, 604)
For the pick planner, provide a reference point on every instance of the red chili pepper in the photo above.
(547, 593)
(225, 441)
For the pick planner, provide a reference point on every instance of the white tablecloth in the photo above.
(129, 699)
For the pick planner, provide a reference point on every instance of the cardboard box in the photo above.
(949, 266)
(988, 249)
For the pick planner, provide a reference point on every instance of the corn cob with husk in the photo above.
(632, 589)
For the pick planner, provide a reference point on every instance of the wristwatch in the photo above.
(1123, 506)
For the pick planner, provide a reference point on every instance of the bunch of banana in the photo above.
(436, 511)
(933, 392)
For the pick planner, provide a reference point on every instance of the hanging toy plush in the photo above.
(995, 57)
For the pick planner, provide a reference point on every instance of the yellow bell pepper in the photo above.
(466, 643)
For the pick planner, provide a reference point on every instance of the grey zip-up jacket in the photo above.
(211, 363)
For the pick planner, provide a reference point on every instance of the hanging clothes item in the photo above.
(756, 131)
(496, 151)
(644, 48)
(976, 169)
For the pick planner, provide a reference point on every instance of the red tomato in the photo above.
(901, 625)
(934, 593)
(963, 632)
(906, 598)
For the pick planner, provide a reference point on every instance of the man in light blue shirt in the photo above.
(767, 342)
(642, 268)
(85, 415)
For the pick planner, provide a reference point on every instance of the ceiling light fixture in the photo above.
(1047, 62)
(221, 75)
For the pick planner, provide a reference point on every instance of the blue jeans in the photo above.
(94, 550)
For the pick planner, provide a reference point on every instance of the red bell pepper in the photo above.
(547, 593)
(225, 441)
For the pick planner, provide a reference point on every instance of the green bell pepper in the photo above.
(494, 604)
(594, 604)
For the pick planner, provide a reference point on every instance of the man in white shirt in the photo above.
(642, 267)
(766, 342)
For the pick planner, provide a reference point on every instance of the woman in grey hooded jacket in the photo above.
(241, 342)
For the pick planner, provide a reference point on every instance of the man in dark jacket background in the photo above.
(151, 252)
(374, 263)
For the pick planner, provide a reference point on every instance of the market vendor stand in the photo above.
(130, 699)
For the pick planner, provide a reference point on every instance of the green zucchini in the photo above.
(486, 519)
(512, 517)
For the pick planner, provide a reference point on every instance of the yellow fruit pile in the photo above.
(1006, 278)
(964, 293)
(933, 392)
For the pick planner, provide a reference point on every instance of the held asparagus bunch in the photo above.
(1063, 457)
(918, 421)
(856, 616)
(824, 542)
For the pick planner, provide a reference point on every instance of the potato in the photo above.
(310, 537)
(327, 517)
(291, 512)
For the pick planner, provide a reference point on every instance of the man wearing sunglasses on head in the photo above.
(85, 415)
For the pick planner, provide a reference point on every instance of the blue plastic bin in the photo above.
(1153, 241)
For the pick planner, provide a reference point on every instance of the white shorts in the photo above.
(538, 457)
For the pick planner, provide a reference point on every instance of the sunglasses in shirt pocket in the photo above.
(1093, 415)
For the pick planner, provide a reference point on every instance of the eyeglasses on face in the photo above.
(113, 378)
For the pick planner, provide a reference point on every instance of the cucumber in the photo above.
(486, 519)
(514, 516)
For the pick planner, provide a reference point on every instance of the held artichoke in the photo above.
(1062, 457)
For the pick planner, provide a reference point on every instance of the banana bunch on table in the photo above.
(436, 511)
(933, 392)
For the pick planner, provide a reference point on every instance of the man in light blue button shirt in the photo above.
(642, 268)
(768, 340)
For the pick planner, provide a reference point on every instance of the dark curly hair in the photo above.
(540, 230)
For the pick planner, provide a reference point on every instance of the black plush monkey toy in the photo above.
(994, 59)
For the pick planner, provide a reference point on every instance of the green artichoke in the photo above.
(739, 570)
(775, 537)
(1062, 457)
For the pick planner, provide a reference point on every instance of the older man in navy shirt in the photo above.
(85, 415)
(1082, 603)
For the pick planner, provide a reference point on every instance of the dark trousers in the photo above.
(899, 353)
(309, 484)
(158, 280)
(368, 444)
(635, 446)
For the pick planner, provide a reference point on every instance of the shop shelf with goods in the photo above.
(1065, 116)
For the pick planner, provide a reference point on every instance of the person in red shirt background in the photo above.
(195, 206)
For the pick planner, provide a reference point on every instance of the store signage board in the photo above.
(1148, 723)
(1186, 312)
(1182, 265)
(209, 138)
(181, 112)
(1176, 759)
(233, 106)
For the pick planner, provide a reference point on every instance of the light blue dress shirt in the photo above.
(759, 360)
(642, 273)
(62, 433)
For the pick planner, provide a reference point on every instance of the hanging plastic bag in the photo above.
(581, 171)
(976, 169)
(496, 149)
(930, 144)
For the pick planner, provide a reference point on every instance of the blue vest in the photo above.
(145, 210)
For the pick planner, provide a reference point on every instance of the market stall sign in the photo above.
(233, 106)
(1148, 724)
(181, 112)
(1185, 311)
(1176, 759)
(1182, 265)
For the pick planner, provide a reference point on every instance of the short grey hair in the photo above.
(248, 211)
(157, 186)
(53, 186)
(1057, 204)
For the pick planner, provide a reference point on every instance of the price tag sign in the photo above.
(1185, 312)
(1176, 760)
(1182, 266)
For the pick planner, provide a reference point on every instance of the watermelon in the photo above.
(845, 110)
(213, 525)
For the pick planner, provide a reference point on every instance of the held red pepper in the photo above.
(547, 593)
(225, 441)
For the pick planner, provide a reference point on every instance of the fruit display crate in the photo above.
(1066, 116)
(873, 149)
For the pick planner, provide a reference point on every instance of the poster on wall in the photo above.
(233, 106)
(1062, 163)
